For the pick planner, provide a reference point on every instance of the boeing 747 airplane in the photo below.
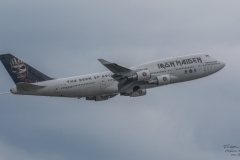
(121, 80)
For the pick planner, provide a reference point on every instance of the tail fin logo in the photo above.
(19, 69)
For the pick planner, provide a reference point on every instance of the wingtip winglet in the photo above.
(103, 61)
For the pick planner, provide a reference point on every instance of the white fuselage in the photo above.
(180, 69)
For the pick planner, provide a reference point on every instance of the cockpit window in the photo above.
(207, 56)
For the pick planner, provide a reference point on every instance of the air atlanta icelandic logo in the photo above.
(164, 78)
(144, 74)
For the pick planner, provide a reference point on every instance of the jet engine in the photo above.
(161, 80)
(140, 76)
(140, 92)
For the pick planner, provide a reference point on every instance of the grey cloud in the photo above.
(189, 120)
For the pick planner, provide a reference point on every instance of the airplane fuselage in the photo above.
(178, 69)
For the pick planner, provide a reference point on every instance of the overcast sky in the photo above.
(185, 121)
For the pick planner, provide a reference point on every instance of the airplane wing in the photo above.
(117, 69)
(121, 75)
(27, 87)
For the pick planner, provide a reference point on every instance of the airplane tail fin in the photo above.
(21, 71)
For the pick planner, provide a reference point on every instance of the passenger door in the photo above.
(208, 69)
(57, 90)
(103, 83)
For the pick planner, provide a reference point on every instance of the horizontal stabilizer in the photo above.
(27, 87)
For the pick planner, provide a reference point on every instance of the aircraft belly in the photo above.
(48, 91)
(89, 91)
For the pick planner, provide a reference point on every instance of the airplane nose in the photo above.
(222, 64)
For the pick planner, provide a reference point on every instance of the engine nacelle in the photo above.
(101, 97)
(161, 80)
(140, 76)
(140, 92)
